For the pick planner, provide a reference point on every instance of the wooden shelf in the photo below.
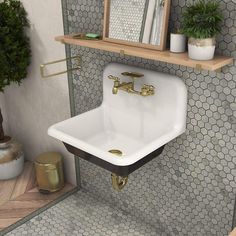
(165, 56)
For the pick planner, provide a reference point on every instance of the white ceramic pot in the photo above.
(11, 160)
(201, 49)
(12, 169)
(177, 43)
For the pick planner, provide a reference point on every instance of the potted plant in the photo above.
(201, 23)
(177, 42)
(14, 59)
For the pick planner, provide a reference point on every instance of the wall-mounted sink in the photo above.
(137, 126)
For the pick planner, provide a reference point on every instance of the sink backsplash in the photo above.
(190, 188)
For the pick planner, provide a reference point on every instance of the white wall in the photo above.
(37, 103)
(4, 112)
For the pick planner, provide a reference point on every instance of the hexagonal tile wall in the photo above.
(190, 188)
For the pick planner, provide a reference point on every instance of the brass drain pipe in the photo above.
(118, 182)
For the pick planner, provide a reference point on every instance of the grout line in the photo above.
(234, 216)
(12, 190)
(70, 81)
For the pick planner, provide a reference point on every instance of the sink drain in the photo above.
(116, 152)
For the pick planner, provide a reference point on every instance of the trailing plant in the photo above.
(14, 44)
(202, 19)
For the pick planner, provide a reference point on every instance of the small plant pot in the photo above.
(201, 49)
(11, 159)
(177, 43)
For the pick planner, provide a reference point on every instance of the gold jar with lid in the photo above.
(49, 172)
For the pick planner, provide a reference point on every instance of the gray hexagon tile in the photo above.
(190, 189)
(83, 215)
(128, 27)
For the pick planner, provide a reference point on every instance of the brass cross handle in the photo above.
(116, 79)
(148, 87)
(147, 90)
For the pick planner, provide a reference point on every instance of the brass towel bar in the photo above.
(43, 66)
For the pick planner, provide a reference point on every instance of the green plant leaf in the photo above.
(202, 19)
(15, 50)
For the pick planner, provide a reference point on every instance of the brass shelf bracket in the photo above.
(122, 52)
(199, 67)
(43, 66)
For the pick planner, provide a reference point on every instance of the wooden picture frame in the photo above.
(163, 39)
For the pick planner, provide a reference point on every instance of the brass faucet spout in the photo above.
(115, 90)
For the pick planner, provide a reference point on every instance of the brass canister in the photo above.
(49, 172)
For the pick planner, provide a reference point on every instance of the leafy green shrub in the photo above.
(14, 44)
(202, 19)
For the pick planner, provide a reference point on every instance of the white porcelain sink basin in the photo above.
(131, 123)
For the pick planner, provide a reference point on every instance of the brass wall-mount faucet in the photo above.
(146, 90)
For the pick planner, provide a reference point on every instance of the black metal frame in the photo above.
(119, 170)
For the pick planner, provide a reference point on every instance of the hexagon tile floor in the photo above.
(83, 215)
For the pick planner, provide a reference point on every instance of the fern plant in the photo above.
(14, 44)
(202, 19)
